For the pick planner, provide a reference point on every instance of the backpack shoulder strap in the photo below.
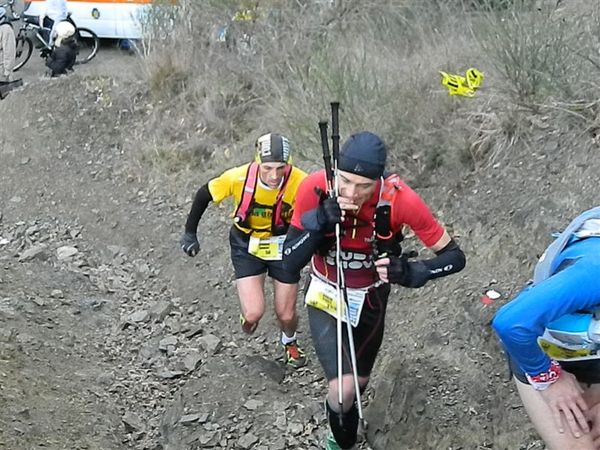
(241, 213)
(278, 226)
(385, 239)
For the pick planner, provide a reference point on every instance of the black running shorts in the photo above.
(247, 265)
(368, 335)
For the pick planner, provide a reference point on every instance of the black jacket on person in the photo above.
(62, 58)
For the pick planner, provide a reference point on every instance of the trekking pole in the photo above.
(332, 189)
(341, 300)
(341, 280)
(326, 156)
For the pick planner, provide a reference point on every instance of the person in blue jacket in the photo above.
(551, 334)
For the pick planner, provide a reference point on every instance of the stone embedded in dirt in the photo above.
(191, 361)
(65, 252)
(189, 419)
(160, 310)
(262, 366)
(132, 422)
(206, 439)
(253, 405)
(166, 342)
(295, 428)
(247, 441)
(278, 444)
(210, 343)
(33, 229)
(194, 331)
(138, 316)
(35, 252)
(57, 293)
(166, 374)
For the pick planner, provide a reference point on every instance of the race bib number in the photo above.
(562, 352)
(323, 296)
(268, 249)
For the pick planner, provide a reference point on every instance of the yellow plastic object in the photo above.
(464, 86)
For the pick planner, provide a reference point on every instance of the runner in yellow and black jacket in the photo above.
(263, 192)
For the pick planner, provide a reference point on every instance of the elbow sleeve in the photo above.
(450, 259)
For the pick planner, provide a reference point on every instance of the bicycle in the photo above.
(87, 41)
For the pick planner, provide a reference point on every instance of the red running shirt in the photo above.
(358, 229)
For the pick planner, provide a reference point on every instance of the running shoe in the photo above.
(247, 327)
(294, 356)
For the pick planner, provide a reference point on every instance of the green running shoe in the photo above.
(294, 357)
(330, 443)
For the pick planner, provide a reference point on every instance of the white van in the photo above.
(117, 19)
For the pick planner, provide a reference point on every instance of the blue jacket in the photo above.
(554, 293)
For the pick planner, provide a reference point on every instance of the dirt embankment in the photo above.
(110, 338)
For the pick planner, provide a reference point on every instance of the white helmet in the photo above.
(63, 31)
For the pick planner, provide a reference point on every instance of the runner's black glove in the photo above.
(189, 244)
(329, 213)
(324, 217)
(412, 274)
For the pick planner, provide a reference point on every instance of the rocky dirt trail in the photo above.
(111, 338)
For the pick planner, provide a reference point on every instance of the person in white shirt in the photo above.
(53, 11)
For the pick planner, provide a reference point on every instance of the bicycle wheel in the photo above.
(24, 49)
(88, 44)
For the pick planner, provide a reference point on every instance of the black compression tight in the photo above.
(344, 426)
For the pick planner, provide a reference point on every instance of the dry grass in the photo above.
(380, 59)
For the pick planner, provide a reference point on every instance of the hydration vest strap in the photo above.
(277, 223)
(385, 239)
(241, 213)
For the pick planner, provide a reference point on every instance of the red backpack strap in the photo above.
(241, 213)
(391, 185)
(277, 224)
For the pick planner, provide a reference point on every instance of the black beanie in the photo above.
(363, 154)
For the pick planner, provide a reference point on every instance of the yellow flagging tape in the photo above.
(464, 86)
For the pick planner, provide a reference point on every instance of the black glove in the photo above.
(324, 217)
(329, 213)
(412, 274)
(189, 244)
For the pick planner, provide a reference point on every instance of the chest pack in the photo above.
(242, 213)
(387, 243)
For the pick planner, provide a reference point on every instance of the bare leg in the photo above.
(252, 297)
(541, 416)
(348, 391)
(285, 306)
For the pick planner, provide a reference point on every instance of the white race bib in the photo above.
(323, 296)
(267, 249)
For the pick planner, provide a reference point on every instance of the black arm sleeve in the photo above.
(298, 248)
(450, 259)
(201, 201)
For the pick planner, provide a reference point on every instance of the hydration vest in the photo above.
(386, 242)
(278, 226)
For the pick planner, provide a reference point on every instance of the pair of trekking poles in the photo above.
(343, 307)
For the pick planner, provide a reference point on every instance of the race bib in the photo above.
(561, 351)
(268, 249)
(323, 296)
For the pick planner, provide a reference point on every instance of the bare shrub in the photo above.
(217, 83)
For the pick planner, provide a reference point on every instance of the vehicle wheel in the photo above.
(24, 49)
(88, 43)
